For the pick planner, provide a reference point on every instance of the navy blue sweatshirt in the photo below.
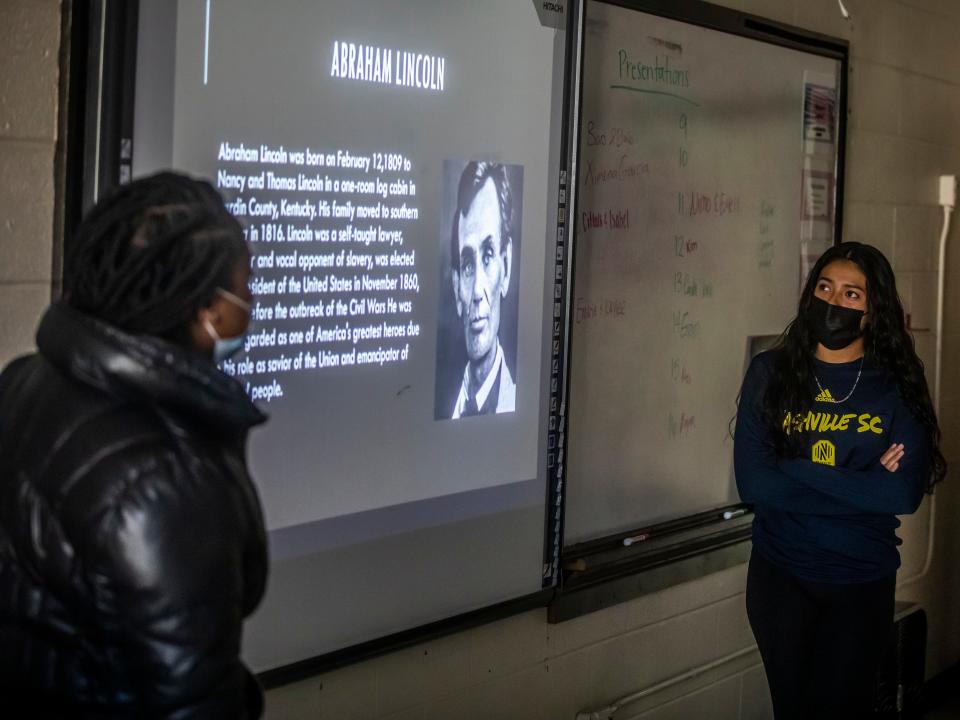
(830, 514)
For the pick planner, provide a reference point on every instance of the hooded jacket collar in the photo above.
(142, 367)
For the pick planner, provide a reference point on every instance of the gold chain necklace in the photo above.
(824, 397)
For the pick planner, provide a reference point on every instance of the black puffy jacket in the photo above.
(131, 537)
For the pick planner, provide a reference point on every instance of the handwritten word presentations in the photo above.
(684, 259)
(335, 277)
(657, 71)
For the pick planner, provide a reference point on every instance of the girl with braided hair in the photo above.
(132, 542)
(836, 435)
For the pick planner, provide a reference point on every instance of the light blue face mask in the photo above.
(224, 348)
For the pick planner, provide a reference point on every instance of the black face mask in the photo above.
(834, 326)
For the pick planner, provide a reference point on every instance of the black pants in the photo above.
(821, 643)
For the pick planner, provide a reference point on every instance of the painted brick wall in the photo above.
(29, 74)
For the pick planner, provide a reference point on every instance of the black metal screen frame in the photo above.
(104, 62)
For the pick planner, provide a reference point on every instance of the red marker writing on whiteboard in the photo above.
(627, 542)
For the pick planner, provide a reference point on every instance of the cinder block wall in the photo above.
(29, 77)
(904, 122)
(905, 132)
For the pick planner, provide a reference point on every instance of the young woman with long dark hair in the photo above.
(835, 436)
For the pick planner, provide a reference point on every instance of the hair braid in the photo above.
(151, 253)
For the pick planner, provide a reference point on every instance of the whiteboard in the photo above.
(706, 181)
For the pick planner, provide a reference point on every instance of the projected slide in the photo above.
(390, 163)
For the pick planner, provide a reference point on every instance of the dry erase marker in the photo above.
(730, 514)
(627, 542)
